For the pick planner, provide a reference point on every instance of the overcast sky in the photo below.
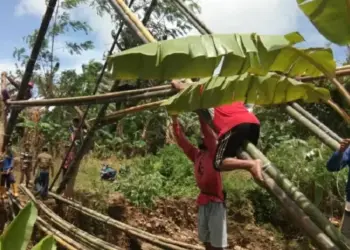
(19, 17)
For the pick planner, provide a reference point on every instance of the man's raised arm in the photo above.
(182, 141)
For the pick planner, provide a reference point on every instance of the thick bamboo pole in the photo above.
(300, 219)
(29, 69)
(339, 73)
(61, 238)
(69, 228)
(322, 135)
(316, 122)
(151, 238)
(120, 96)
(304, 203)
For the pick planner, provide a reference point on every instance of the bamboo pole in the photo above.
(29, 69)
(323, 136)
(339, 72)
(149, 11)
(144, 235)
(316, 122)
(69, 228)
(339, 110)
(111, 118)
(300, 219)
(119, 96)
(61, 238)
(303, 202)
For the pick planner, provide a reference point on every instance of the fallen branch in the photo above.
(121, 96)
(69, 228)
(153, 239)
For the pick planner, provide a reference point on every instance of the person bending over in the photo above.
(339, 160)
(212, 228)
(234, 125)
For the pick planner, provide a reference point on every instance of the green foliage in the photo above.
(168, 173)
(199, 56)
(48, 243)
(17, 235)
(260, 90)
(331, 18)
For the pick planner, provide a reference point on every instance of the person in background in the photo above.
(45, 164)
(339, 160)
(70, 158)
(234, 125)
(212, 225)
(7, 177)
(26, 163)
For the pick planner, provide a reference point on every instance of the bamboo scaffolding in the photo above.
(120, 96)
(73, 168)
(144, 235)
(29, 69)
(84, 115)
(61, 238)
(286, 185)
(87, 238)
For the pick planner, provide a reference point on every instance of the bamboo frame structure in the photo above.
(29, 69)
(155, 240)
(85, 237)
(97, 84)
(61, 238)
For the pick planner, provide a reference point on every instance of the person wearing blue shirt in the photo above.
(7, 178)
(339, 160)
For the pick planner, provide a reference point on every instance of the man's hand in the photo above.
(178, 85)
(344, 144)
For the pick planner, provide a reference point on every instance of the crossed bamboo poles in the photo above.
(86, 240)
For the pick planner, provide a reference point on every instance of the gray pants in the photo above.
(212, 226)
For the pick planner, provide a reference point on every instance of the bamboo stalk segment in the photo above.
(61, 238)
(316, 122)
(120, 96)
(303, 202)
(69, 228)
(300, 219)
(151, 238)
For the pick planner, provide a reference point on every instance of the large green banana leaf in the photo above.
(330, 17)
(199, 56)
(261, 90)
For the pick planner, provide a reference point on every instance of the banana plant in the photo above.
(17, 234)
(236, 54)
(331, 18)
(261, 90)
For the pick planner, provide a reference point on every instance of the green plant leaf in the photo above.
(48, 243)
(17, 235)
(260, 90)
(199, 56)
(331, 18)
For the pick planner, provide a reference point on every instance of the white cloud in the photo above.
(247, 16)
(7, 65)
(30, 7)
